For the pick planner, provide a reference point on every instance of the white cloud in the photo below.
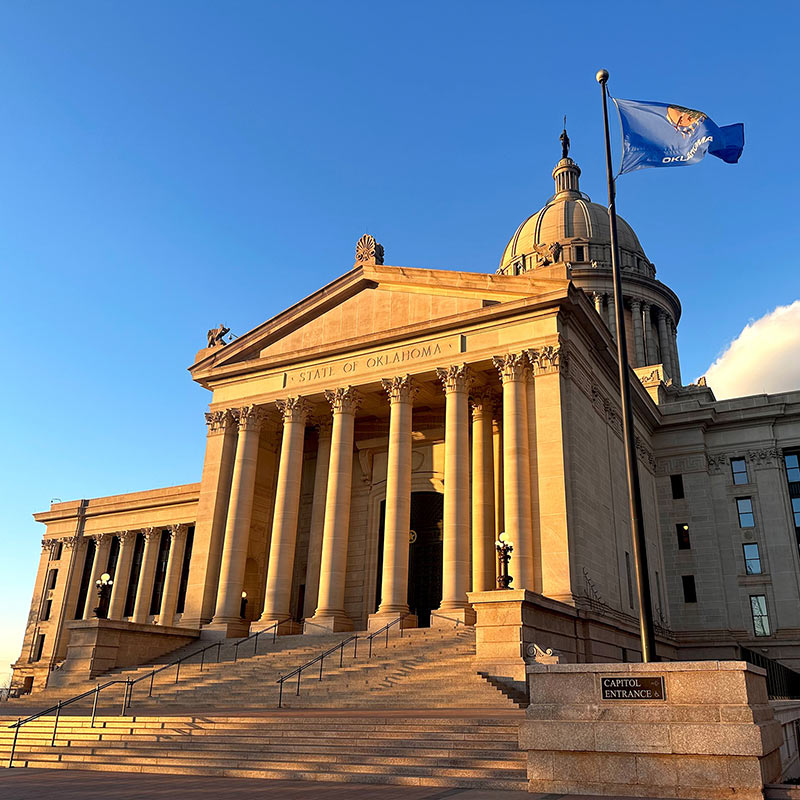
(764, 357)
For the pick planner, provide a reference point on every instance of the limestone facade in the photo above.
(366, 447)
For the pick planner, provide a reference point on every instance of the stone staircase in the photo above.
(415, 713)
(448, 751)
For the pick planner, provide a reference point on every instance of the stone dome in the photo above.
(571, 229)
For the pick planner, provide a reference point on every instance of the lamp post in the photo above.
(103, 584)
(243, 606)
(505, 548)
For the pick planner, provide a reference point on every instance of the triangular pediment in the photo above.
(371, 301)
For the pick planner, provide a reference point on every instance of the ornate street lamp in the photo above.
(504, 547)
(243, 606)
(103, 584)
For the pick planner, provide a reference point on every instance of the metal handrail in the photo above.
(129, 684)
(298, 671)
(452, 619)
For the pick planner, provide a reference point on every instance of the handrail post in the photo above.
(387, 637)
(255, 643)
(400, 623)
(321, 662)
(178, 671)
(341, 654)
(219, 645)
(55, 724)
(124, 698)
(274, 632)
(299, 673)
(94, 703)
(235, 652)
(130, 691)
(280, 692)
(202, 658)
(355, 647)
(370, 647)
(14, 744)
(152, 678)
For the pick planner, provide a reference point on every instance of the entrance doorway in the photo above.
(424, 555)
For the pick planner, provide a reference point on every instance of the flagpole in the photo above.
(646, 627)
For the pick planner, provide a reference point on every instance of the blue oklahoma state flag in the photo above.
(669, 135)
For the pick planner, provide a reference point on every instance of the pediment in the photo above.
(371, 301)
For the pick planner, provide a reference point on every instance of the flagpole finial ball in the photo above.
(602, 75)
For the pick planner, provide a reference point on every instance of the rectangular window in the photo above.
(792, 467)
(739, 470)
(45, 615)
(630, 578)
(55, 553)
(796, 511)
(579, 253)
(38, 647)
(752, 560)
(744, 507)
(758, 606)
(684, 543)
(52, 577)
(689, 589)
(677, 486)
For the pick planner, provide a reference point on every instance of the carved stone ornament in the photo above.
(764, 457)
(344, 400)
(178, 530)
(216, 336)
(546, 254)
(125, 536)
(512, 367)
(401, 389)
(535, 654)
(150, 533)
(249, 418)
(97, 538)
(550, 358)
(645, 453)
(294, 409)
(455, 378)
(715, 462)
(652, 377)
(49, 545)
(483, 400)
(70, 541)
(368, 251)
(218, 421)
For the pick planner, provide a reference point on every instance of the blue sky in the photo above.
(166, 166)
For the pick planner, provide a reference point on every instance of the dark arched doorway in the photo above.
(424, 555)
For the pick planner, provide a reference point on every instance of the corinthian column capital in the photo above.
(512, 367)
(483, 399)
(402, 389)
(249, 418)
(293, 409)
(150, 533)
(550, 358)
(345, 400)
(178, 530)
(455, 378)
(219, 421)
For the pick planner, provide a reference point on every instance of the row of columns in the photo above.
(122, 573)
(469, 524)
(654, 330)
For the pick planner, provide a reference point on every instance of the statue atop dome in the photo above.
(564, 139)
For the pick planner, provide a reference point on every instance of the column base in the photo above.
(286, 627)
(324, 624)
(380, 618)
(230, 629)
(441, 616)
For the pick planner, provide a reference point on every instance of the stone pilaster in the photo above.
(277, 596)
(394, 582)
(172, 580)
(456, 381)
(330, 613)
(638, 333)
(514, 371)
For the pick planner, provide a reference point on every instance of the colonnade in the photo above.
(122, 573)
(469, 524)
(654, 332)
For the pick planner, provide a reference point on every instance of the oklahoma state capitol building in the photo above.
(366, 446)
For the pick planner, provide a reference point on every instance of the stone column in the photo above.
(144, 591)
(122, 574)
(533, 451)
(638, 333)
(102, 544)
(277, 595)
(397, 522)
(497, 452)
(455, 535)
(317, 516)
(598, 302)
(237, 525)
(330, 612)
(483, 530)
(212, 511)
(676, 364)
(650, 356)
(514, 373)
(612, 315)
(172, 580)
(663, 342)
